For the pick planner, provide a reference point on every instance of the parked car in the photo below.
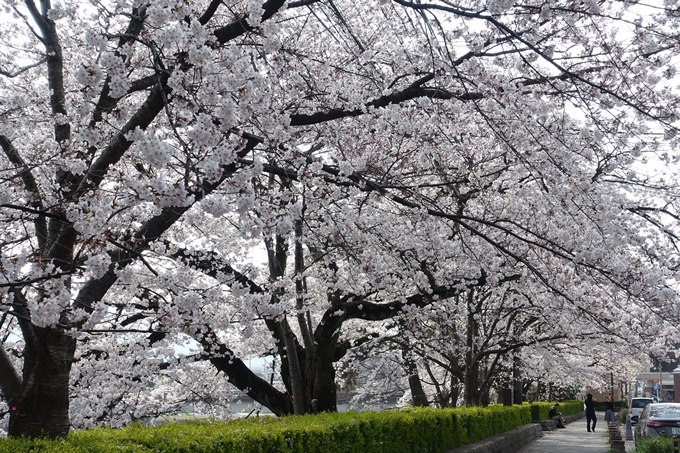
(636, 406)
(658, 419)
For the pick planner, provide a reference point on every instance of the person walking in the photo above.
(590, 403)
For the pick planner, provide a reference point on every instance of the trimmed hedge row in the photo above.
(412, 430)
(539, 411)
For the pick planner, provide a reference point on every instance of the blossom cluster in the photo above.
(152, 149)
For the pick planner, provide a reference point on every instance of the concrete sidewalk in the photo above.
(572, 439)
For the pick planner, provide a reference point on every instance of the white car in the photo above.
(635, 408)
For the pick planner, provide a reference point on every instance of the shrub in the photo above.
(655, 445)
(539, 411)
(421, 430)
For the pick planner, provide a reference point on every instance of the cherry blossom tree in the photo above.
(490, 339)
(390, 154)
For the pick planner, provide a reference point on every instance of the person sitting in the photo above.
(557, 416)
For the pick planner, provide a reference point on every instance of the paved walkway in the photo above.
(572, 439)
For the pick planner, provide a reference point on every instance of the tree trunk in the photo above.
(296, 383)
(472, 395)
(320, 368)
(517, 378)
(455, 390)
(277, 254)
(320, 373)
(417, 393)
(325, 390)
(42, 408)
(484, 398)
(472, 378)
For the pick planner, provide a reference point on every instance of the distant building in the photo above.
(656, 381)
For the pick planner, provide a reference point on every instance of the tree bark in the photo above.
(517, 378)
(42, 408)
(417, 393)
(322, 371)
(472, 396)
(277, 254)
(245, 380)
(296, 383)
(472, 391)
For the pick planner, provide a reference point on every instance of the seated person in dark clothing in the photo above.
(557, 416)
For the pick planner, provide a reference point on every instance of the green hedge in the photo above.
(655, 445)
(409, 431)
(539, 411)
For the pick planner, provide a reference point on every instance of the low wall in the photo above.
(572, 417)
(551, 425)
(507, 442)
(511, 441)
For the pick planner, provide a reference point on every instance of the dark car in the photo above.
(658, 419)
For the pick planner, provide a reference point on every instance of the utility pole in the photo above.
(658, 395)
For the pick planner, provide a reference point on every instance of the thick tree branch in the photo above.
(211, 264)
(53, 215)
(300, 3)
(31, 186)
(240, 25)
(344, 346)
(383, 101)
(55, 71)
(238, 374)
(357, 307)
(150, 231)
(118, 145)
(10, 381)
(210, 11)
(153, 105)
(143, 83)
(106, 103)
(23, 316)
